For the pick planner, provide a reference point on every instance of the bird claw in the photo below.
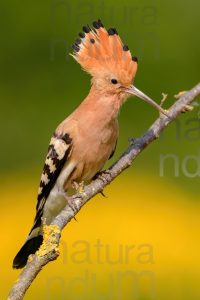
(104, 176)
(73, 206)
(79, 187)
(102, 193)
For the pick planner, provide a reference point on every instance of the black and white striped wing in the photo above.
(59, 151)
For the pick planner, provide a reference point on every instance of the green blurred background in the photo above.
(155, 204)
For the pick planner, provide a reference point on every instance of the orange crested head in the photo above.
(101, 53)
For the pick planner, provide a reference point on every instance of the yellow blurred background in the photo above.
(142, 241)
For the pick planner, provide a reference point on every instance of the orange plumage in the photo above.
(99, 51)
(87, 138)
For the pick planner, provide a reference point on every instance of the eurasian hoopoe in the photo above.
(86, 139)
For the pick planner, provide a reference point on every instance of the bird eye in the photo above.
(114, 81)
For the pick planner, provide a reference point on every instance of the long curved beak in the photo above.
(134, 91)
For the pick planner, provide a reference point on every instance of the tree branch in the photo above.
(52, 233)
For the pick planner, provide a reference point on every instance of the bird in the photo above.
(87, 138)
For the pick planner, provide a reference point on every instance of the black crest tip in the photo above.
(100, 23)
(75, 47)
(115, 30)
(86, 29)
(111, 31)
(96, 24)
(78, 41)
(82, 35)
(125, 48)
(134, 58)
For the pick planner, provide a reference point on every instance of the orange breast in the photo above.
(92, 149)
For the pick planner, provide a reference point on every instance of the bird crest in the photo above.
(100, 51)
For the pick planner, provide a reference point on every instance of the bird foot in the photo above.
(72, 204)
(98, 175)
(79, 187)
(105, 176)
(102, 193)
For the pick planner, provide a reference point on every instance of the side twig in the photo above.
(52, 233)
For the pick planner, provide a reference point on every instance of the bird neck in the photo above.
(103, 103)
